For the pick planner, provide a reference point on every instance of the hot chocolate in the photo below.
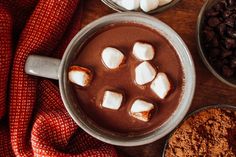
(122, 79)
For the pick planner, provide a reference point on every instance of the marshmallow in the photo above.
(144, 73)
(80, 76)
(164, 2)
(112, 100)
(141, 110)
(128, 4)
(161, 85)
(148, 5)
(143, 51)
(112, 58)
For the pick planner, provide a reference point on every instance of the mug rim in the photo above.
(189, 84)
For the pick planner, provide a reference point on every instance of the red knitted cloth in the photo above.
(33, 120)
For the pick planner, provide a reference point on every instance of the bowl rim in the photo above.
(111, 4)
(188, 89)
(195, 112)
(201, 49)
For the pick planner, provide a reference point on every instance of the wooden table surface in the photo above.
(209, 90)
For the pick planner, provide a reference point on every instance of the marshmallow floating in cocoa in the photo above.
(141, 110)
(143, 51)
(112, 100)
(80, 75)
(112, 57)
(161, 85)
(144, 73)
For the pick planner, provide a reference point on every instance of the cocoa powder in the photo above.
(210, 132)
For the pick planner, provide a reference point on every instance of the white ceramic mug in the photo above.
(58, 69)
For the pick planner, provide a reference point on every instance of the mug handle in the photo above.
(42, 66)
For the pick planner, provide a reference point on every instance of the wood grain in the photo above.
(209, 90)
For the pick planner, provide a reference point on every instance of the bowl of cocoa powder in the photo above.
(208, 131)
(216, 35)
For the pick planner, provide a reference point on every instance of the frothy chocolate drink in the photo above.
(122, 80)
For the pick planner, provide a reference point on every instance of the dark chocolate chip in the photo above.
(229, 22)
(206, 45)
(212, 12)
(218, 65)
(215, 42)
(232, 8)
(227, 13)
(233, 15)
(209, 35)
(231, 2)
(226, 53)
(214, 52)
(224, 3)
(227, 72)
(234, 53)
(207, 28)
(231, 33)
(225, 61)
(213, 21)
(230, 43)
(233, 63)
(220, 6)
(221, 29)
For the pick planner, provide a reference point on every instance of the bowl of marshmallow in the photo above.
(146, 6)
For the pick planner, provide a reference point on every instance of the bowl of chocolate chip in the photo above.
(126, 79)
(146, 6)
(216, 34)
(208, 131)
